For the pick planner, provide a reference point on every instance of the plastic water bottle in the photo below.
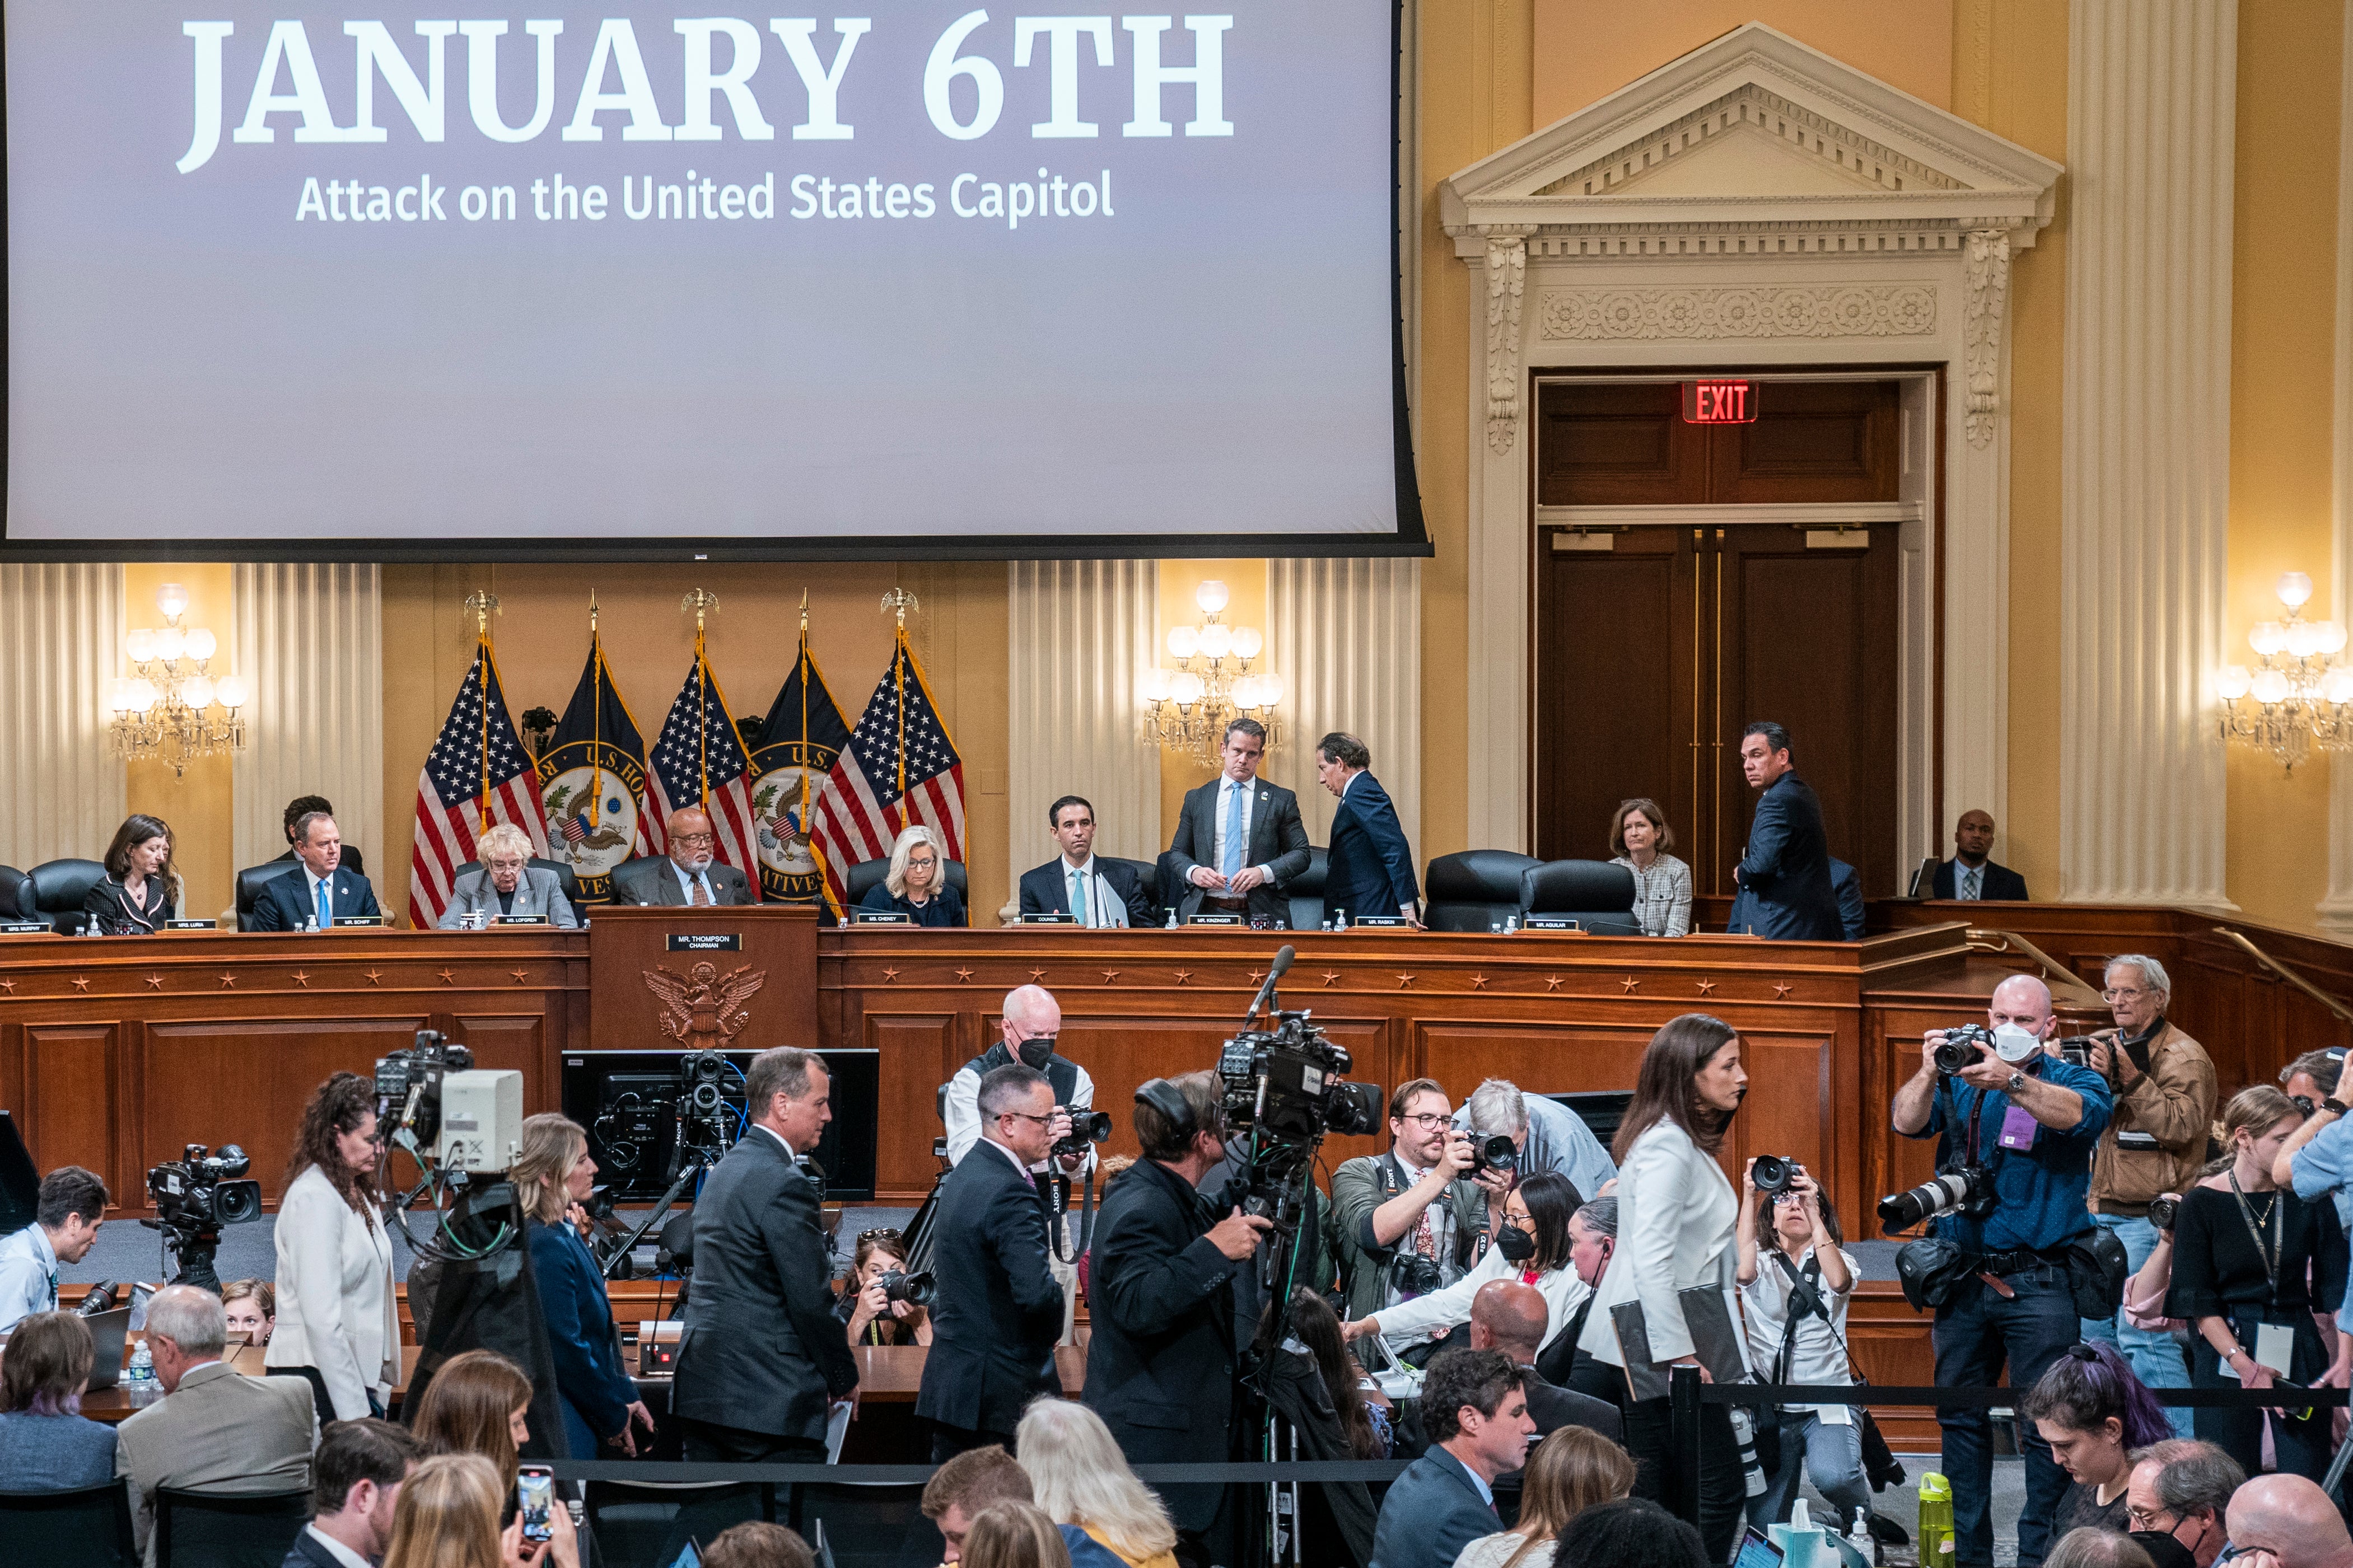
(1172, 919)
(1934, 1534)
(139, 1380)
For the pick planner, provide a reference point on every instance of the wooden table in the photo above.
(111, 1405)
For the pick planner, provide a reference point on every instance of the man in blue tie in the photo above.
(1475, 1407)
(1238, 839)
(1369, 868)
(66, 1217)
(1104, 894)
(319, 890)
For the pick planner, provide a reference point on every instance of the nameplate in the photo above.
(343, 921)
(1549, 922)
(24, 928)
(518, 919)
(192, 925)
(1376, 922)
(1217, 920)
(1050, 918)
(882, 918)
(703, 942)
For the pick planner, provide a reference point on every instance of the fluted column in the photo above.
(2146, 448)
(1345, 634)
(311, 638)
(2336, 909)
(1081, 637)
(60, 644)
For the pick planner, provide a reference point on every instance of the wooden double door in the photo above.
(1657, 644)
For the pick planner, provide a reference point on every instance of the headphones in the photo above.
(1169, 1101)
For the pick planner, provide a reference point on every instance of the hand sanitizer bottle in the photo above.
(1172, 919)
(1861, 1539)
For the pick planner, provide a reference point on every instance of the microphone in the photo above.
(1280, 967)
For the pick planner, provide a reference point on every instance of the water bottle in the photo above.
(1172, 918)
(1934, 1535)
(139, 1381)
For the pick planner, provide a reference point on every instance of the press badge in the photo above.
(2018, 1128)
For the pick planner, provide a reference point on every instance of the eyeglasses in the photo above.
(1426, 1120)
(2158, 1518)
(1520, 1221)
(1026, 1117)
(693, 838)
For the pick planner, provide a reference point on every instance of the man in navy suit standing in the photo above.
(319, 890)
(1476, 1411)
(1368, 871)
(1784, 878)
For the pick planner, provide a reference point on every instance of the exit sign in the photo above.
(1719, 402)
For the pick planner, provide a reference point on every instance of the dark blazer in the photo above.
(762, 1351)
(1278, 841)
(1431, 1513)
(306, 1553)
(1046, 889)
(285, 901)
(1846, 887)
(119, 914)
(1785, 881)
(1551, 1409)
(1000, 1308)
(1161, 1361)
(596, 1386)
(1999, 881)
(1368, 871)
(944, 908)
(654, 881)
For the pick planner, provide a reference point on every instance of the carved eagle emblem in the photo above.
(703, 1009)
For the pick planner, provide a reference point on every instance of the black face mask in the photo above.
(2164, 1550)
(1517, 1245)
(1036, 1053)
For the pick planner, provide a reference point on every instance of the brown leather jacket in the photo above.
(2156, 1142)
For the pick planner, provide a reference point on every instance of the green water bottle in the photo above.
(1936, 1533)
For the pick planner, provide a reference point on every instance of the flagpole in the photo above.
(700, 601)
(805, 686)
(483, 604)
(901, 601)
(596, 716)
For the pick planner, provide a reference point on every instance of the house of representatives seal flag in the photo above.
(700, 760)
(477, 774)
(592, 780)
(793, 767)
(899, 768)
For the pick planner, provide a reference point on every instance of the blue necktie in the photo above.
(326, 911)
(1078, 903)
(1233, 861)
(1974, 881)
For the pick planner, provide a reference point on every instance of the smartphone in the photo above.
(1756, 1552)
(535, 1498)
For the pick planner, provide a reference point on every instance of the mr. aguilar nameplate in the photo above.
(1216, 920)
(703, 942)
(1549, 922)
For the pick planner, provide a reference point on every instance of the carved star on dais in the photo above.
(1782, 988)
(449, 977)
(1553, 982)
(1478, 983)
(375, 976)
(1404, 981)
(1632, 985)
(155, 981)
(80, 984)
(1108, 976)
(520, 974)
(964, 974)
(1183, 975)
(302, 979)
(1705, 987)
(888, 975)
(228, 981)
(1331, 977)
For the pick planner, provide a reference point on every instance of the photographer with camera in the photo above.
(2015, 1127)
(338, 1325)
(1530, 1247)
(1413, 1220)
(1543, 1135)
(884, 1304)
(66, 1217)
(1797, 1304)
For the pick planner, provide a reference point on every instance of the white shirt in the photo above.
(28, 1275)
(1409, 1323)
(1441, 1220)
(962, 1113)
(1816, 1357)
(1105, 909)
(1010, 1156)
(336, 1548)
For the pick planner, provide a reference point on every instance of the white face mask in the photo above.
(2014, 1045)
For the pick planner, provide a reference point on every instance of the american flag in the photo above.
(450, 790)
(858, 816)
(700, 760)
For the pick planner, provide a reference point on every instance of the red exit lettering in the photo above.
(1719, 402)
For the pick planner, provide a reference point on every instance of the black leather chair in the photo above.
(867, 876)
(87, 1528)
(652, 1521)
(227, 1529)
(58, 889)
(251, 881)
(1474, 890)
(1305, 892)
(565, 877)
(16, 895)
(1597, 895)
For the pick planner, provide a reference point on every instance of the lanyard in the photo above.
(2279, 1220)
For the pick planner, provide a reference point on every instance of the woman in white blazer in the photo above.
(1676, 1219)
(1535, 1229)
(337, 1323)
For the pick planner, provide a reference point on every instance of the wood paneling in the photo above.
(72, 1096)
(1617, 444)
(778, 944)
(1624, 443)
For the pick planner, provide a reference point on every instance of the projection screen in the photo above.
(622, 280)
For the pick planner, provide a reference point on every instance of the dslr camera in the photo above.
(1413, 1275)
(2163, 1212)
(1771, 1175)
(1960, 1047)
(915, 1290)
(193, 1193)
(1087, 1127)
(1498, 1152)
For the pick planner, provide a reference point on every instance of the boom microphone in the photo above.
(1280, 967)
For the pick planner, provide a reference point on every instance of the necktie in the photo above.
(326, 910)
(1233, 859)
(1973, 882)
(701, 892)
(1078, 899)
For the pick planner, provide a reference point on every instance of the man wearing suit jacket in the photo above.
(1785, 878)
(1162, 1359)
(301, 805)
(1368, 871)
(1238, 839)
(999, 1311)
(1846, 887)
(762, 1358)
(319, 890)
(358, 1473)
(694, 877)
(1970, 874)
(1476, 1412)
(216, 1429)
(1101, 893)
(507, 883)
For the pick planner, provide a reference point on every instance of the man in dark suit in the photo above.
(1784, 878)
(1368, 871)
(1238, 839)
(1477, 1417)
(303, 806)
(1101, 893)
(693, 876)
(1162, 1359)
(355, 1478)
(1846, 887)
(999, 1311)
(762, 1358)
(1971, 873)
(1510, 1317)
(319, 890)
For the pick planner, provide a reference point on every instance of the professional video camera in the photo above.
(1282, 1087)
(408, 1087)
(1961, 1189)
(1087, 1127)
(704, 1113)
(194, 1196)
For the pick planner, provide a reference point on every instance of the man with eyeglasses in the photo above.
(2164, 1094)
(693, 879)
(2177, 1493)
(1413, 1220)
(2285, 1521)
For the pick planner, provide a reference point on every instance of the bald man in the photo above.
(1971, 873)
(693, 877)
(1510, 1317)
(2287, 1521)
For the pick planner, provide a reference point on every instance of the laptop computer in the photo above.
(107, 1330)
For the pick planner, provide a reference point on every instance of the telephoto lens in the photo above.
(1939, 1194)
(1772, 1174)
(915, 1290)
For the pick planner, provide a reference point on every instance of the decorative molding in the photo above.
(1830, 310)
(2145, 492)
(1507, 267)
(1707, 514)
(60, 644)
(1989, 286)
(2336, 909)
(1751, 106)
(1345, 636)
(311, 638)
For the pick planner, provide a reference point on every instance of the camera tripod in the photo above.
(194, 1247)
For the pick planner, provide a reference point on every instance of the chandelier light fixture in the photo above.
(2296, 697)
(170, 708)
(1188, 708)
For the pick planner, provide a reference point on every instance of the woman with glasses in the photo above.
(1530, 1247)
(337, 1323)
(1796, 1297)
(873, 1318)
(917, 882)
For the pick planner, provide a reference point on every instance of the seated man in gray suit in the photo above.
(216, 1429)
(1238, 839)
(1477, 1417)
(694, 877)
(506, 884)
